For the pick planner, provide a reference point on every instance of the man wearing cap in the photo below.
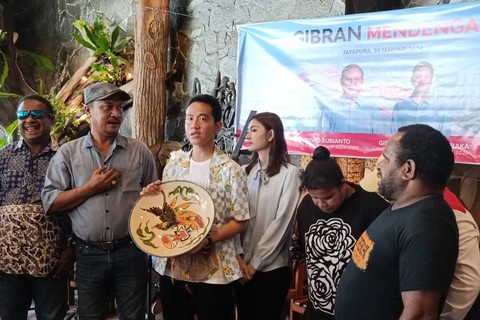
(97, 179)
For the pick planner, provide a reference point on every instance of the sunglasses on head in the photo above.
(36, 114)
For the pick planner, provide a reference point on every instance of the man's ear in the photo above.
(409, 170)
(218, 127)
(86, 110)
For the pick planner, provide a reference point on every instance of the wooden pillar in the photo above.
(150, 75)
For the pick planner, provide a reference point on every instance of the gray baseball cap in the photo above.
(102, 91)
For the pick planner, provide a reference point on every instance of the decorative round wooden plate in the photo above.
(174, 221)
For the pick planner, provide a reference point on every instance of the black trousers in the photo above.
(264, 296)
(183, 300)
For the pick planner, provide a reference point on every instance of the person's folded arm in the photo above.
(57, 200)
(420, 304)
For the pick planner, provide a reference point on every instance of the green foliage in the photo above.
(3, 36)
(9, 95)
(4, 74)
(68, 123)
(114, 55)
(110, 48)
(41, 61)
(8, 133)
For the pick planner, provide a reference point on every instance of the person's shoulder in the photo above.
(219, 157)
(407, 102)
(306, 200)
(134, 143)
(128, 140)
(291, 170)
(291, 166)
(73, 144)
(9, 147)
(6, 152)
(177, 155)
(372, 198)
(426, 209)
(358, 188)
(306, 207)
(367, 103)
(232, 164)
(334, 103)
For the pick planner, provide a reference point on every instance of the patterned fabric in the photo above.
(30, 242)
(228, 188)
(194, 267)
(352, 168)
(326, 262)
(22, 174)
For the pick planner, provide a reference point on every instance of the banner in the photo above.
(349, 82)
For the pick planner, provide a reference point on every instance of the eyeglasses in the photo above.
(36, 114)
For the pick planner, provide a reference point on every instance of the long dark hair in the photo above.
(323, 172)
(278, 155)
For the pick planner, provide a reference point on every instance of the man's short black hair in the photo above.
(212, 102)
(430, 150)
(40, 99)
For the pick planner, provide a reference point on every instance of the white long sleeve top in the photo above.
(272, 204)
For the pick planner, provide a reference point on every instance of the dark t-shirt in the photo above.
(411, 248)
(328, 240)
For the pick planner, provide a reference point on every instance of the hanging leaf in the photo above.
(115, 34)
(8, 132)
(12, 127)
(9, 95)
(41, 61)
(91, 48)
(4, 75)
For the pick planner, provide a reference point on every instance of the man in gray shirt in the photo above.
(97, 180)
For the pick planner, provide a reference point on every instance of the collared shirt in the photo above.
(103, 216)
(345, 115)
(228, 189)
(407, 111)
(30, 242)
(22, 174)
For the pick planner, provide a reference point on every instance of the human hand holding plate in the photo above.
(151, 189)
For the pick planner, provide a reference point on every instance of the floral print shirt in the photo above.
(228, 189)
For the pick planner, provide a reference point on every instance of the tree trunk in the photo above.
(150, 75)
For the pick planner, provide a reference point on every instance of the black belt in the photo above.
(105, 245)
